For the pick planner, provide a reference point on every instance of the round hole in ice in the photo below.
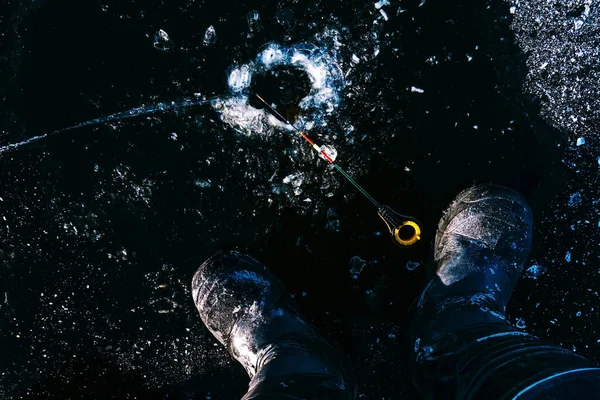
(284, 86)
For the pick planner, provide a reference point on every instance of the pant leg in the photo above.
(463, 348)
(298, 370)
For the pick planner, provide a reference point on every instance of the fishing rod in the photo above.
(404, 230)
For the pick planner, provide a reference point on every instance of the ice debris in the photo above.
(330, 151)
(535, 271)
(161, 40)
(580, 141)
(210, 36)
(521, 324)
(575, 199)
(203, 183)
(568, 256)
(415, 89)
(253, 19)
(412, 265)
(381, 3)
(356, 266)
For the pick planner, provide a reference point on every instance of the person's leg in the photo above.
(248, 310)
(463, 346)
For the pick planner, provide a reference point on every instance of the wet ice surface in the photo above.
(559, 39)
(102, 230)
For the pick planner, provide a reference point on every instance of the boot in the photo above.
(463, 347)
(249, 311)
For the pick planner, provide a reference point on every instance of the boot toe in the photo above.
(484, 223)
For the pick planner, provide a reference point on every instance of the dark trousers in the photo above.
(461, 347)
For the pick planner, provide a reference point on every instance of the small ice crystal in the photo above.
(210, 36)
(412, 265)
(415, 89)
(521, 324)
(161, 40)
(355, 59)
(356, 265)
(382, 3)
(580, 141)
(203, 183)
(253, 19)
(295, 179)
(384, 15)
(535, 271)
(330, 151)
(568, 256)
(512, 9)
(575, 199)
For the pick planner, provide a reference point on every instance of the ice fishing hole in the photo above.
(283, 86)
(406, 232)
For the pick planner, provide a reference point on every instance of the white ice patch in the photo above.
(239, 78)
(326, 85)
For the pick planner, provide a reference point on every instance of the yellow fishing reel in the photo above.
(404, 230)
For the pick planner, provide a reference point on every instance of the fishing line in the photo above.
(134, 112)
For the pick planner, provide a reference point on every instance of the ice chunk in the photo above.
(295, 179)
(512, 9)
(535, 271)
(203, 183)
(356, 266)
(333, 221)
(575, 199)
(415, 89)
(239, 78)
(161, 40)
(210, 36)
(330, 151)
(580, 141)
(383, 14)
(568, 256)
(412, 265)
(382, 3)
(253, 19)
